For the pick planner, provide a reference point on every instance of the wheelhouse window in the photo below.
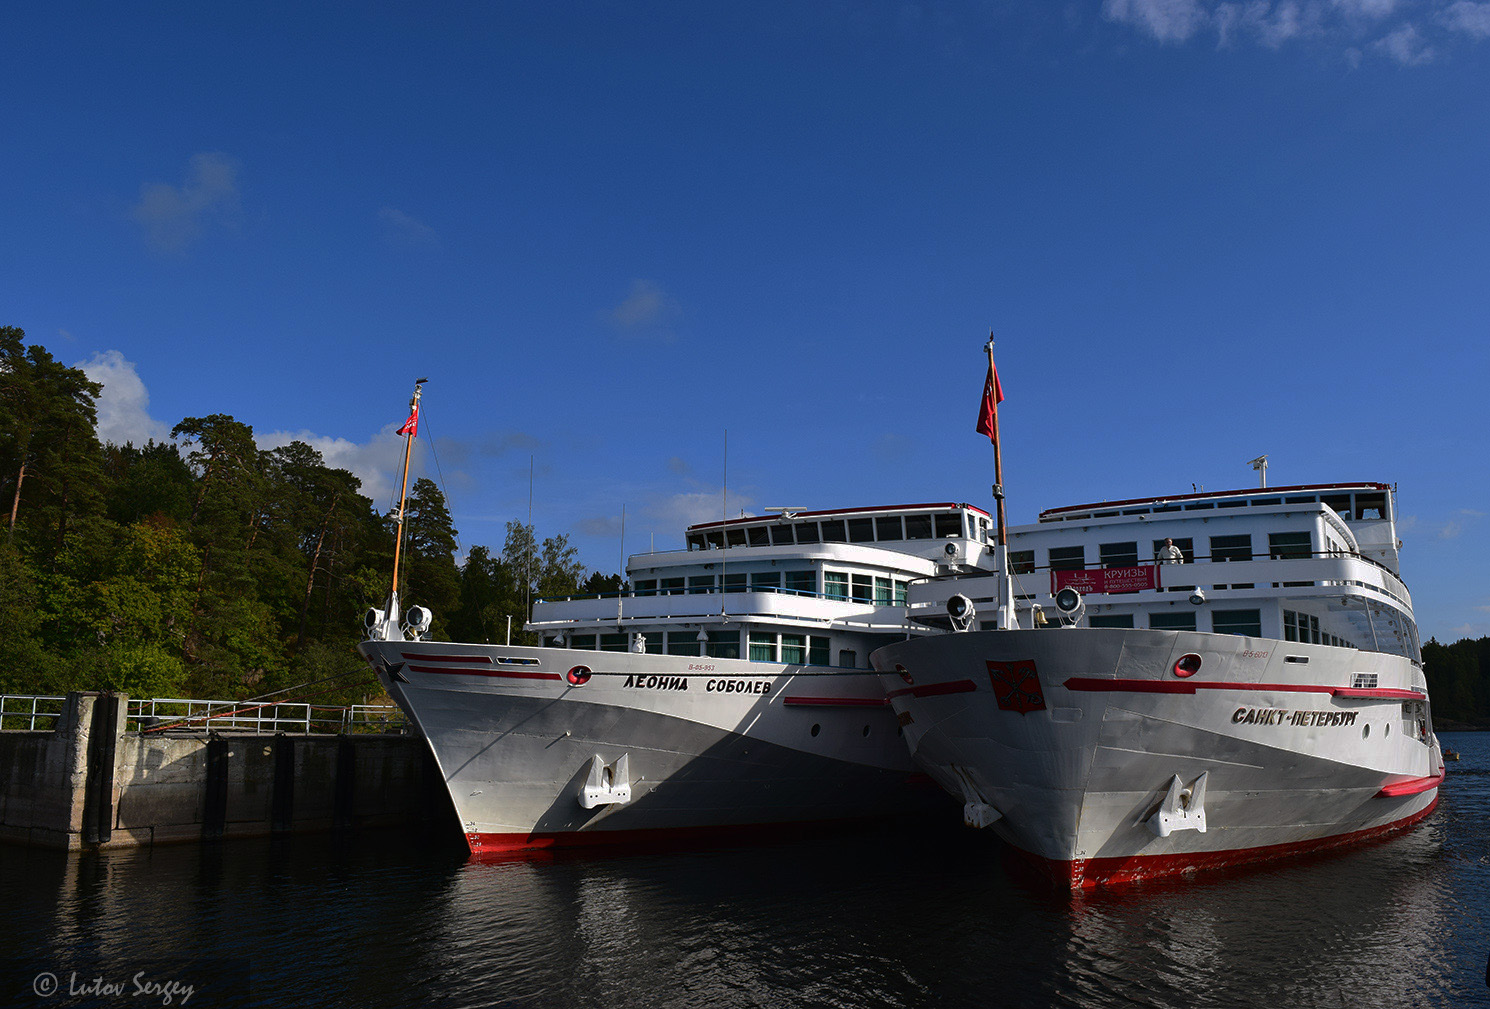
(887, 527)
(1244, 622)
(782, 535)
(948, 524)
(801, 581)
(1231, 548)
(1180, 620)
(1119, 555)
(736, 537)
(760, 536)
(806, 532)
(1067, 558)
(833, 531)
(861, 530)
(835, 584)
(918, 527)
(715, 539)
(1288, 545)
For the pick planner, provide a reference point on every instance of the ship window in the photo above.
(1067, 558)
(887, 528)
(861, 530)
(807, 532)
(1259, 502)
(1180, 620)
(782, 535)
(585, 642)
(1199, 507)
(1022, 562)
(1111, 620)
(948, 525)
(817, 651)
(918, 527)
(1290, 625)
(1231, 548)
(734, 581)
(883, 587)
(613, 642)
(700, 584)
(794, 648)
(1232, 504)
(1186, 545)
(653, 641)
(1244, 622)
(737, 537)
(672, 586)
(1119, 555)
(1339, 503)
(801, 581)
(765, 581)
(1314, 630)
(1286, 545)
(696, 542)
(760, 536)
(833, 532)
(724, 645)
(762, 647)
(646, 586)
(715, 539)
(1370, 506)
(835, 585)
(862, 588)
(683, 643)
(900, 588)
(1306, 499)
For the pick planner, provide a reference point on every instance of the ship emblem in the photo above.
(1016, 685)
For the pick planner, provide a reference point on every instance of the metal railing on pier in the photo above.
(28, 713)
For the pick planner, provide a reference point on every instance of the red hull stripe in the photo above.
(428, 657)
(652, 839)
(836, 702)
(935, 689)
(1090, 683)
(509, 674)
(1093, 872)
(1411, 787)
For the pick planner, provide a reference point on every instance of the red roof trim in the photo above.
(1207, 495)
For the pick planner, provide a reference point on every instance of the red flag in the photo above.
(411, 426)
(993, 395)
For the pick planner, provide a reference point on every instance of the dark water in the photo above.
(935, 916)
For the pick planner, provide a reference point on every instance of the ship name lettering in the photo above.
(1258, 716)
(657, 682)
(739, 686)
(1282, 716)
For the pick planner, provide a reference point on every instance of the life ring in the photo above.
(1187, 665)
(578, 676)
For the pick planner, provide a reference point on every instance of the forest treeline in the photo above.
(1459, 680)
(208, 567)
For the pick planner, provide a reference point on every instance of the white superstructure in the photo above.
(1259, 694)
(729, 687)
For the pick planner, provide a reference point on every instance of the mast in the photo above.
(409, 430)
(989, 424)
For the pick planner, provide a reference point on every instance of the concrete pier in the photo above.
(89, 783)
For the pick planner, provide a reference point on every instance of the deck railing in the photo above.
(28, 713)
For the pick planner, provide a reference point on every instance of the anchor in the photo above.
(1182, 809)
(607, 784)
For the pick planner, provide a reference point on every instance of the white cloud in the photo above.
(124, 403)
(1165, 20)
(692, 507)
(1366, 8)
(376, 462)
(407, 229)
(1473, 19)
(174, 217)
(1405, 45)
(646, 311)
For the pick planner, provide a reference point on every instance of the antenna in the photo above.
(1261, 465)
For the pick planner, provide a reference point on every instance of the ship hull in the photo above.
(711, 748)
(1069, 741)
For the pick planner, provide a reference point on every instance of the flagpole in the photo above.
(998, 459)
(1006, 618)
(403, 493)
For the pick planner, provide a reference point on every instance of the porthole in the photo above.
(866, 732)
(1388, 732)
(905, 675)
(816, 728)
(1366, 731)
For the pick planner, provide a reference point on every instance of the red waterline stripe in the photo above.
(1412, 786)
(1085, 874)
(836, 702)
(653, 839)
(935, 689)
(429, 657)
(1090, 683)
(510, 674)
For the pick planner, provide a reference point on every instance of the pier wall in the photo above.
(89, 783)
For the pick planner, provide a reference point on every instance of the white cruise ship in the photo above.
(1185, 682)
(730, 687)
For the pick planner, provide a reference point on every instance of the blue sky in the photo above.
(609, 233)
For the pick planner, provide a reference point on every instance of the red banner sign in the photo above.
(1136, 579)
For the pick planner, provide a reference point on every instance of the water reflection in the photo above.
(932, 916)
